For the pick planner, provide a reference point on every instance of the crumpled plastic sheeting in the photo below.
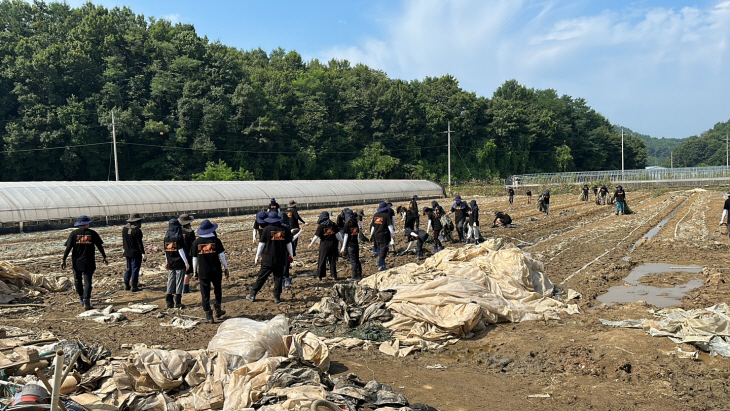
(353, 304)
(706, 328)
(251, 339)
(457, 291)
(107, 315)
(138, 308)
(165, 368)
(16, 282)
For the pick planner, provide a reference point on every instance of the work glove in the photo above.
(63, 263)
(290, 259)
(392, 242)
(144, 258)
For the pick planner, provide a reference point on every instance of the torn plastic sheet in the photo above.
(706, 328)
(252, 340)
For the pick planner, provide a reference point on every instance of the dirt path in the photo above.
(572, 363)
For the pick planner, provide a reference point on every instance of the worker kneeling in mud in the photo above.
(501, 219)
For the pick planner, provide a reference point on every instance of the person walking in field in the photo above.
(134, 252)
(460, 210)
(546, 202)
(595, 191)
(188, 238)
(382, 232)
(511, 195)
(80, 244)
(208, 256)
(176, 262)
(529, 197)
(620, 196)
(413, 211)
(725, 211)
(259, 224)
(473, 230)
(603, 192)
(584, 193)
(274, 251)
(329, 237)
(351, 246)
(434, 221)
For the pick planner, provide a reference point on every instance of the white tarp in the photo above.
(459, 290)
(706, 328)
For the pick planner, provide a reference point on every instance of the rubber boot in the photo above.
(218, 311)
(251, 296)
(127, 287)
(435, 249)
(169, 301)
(81, 299)
(186, 289)
(277, 299)
(178, 301)
(135, 287)
(208, 317)
(419, 256)
(87, 305)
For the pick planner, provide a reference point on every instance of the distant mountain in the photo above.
(708, 149)
(659, 149)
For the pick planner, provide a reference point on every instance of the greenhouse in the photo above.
(53, 202)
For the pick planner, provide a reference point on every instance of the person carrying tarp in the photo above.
(134, 252)
(473, 229)
(209, 258)
(351, 246)
(620, 196)
(603, 192)
(80, 244)
(189, 239)
(176, 263)
(511, 195)
(460, 210)
(329, 237)
(382, 232)
(434, 222)
(274, 250)
(584, 192)
(501, 219)
(437, 209)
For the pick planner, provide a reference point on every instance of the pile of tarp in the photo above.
(456, 292)
(352, 304)
(247, 365)
(16, 283)
(706, 328)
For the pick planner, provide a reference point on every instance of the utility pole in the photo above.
(622, 154)
(448, 139)
(727, 152)
(114, 141)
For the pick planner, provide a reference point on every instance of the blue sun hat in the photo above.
(457, 198)
(261, 216)
(273, 217)
(83, 220)
(383, 207)
(206, 227)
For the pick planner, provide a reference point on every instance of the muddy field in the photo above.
(574, 362)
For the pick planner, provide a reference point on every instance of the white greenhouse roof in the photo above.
(56, 200)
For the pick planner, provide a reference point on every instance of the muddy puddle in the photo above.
(657, 296)
(654, 231)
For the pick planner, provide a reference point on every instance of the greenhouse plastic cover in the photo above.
(55, 200)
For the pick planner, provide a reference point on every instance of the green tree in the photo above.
(220, 171)
(374, 162)
(563, 158)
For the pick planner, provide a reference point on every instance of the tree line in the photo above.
(184, 107)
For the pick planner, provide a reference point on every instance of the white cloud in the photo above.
(658, 70)
(172, 18)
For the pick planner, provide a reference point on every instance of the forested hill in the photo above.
(708, 149)
(180, 101)
(658, 149)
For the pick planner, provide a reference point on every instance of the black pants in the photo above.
(460, 228)
(353, 253)
(382, 253)
(205, 286)
(82, 281)
(511, 199)
(436, 239)
(264, 273)
(327, 253)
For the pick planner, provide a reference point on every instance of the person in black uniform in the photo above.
(460, 210)
(437, 209)
(529, 196)
(176, 263)
(382, 232)
(133, 251)
(274, 206)
(603, 192)
(584, 192)
(413, 211)
(725, 211)
(546, 201)
(473, 229)
(511, 194)
(275, 250)
(259, 224)
(595, 191)
(294, 220)
(501, 219)
(189, 239)
(434, 221)
(81, 243)
(350, 245)
(329, 235)
(208, 255)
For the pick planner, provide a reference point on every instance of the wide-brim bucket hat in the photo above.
(83, 220)
(206, 227)
(273, 217)
(133, 218)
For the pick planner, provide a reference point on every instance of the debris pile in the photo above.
(458, 291)
(16, 283)
(706, 328)
(248, 365)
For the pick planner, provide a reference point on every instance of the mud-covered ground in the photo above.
(575, 362)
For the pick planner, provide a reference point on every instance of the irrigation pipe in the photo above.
(614, 247)
(57, 374)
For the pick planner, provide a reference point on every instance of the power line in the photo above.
(52, 148)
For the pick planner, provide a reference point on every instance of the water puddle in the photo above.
(654, 231)
(657, 296)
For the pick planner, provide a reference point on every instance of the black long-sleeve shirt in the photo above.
(132, 241)
(82, 242)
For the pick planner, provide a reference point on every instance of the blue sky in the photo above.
(658, 67)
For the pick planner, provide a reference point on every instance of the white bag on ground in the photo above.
(252, 340)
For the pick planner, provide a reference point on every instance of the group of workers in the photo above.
(599, 195)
